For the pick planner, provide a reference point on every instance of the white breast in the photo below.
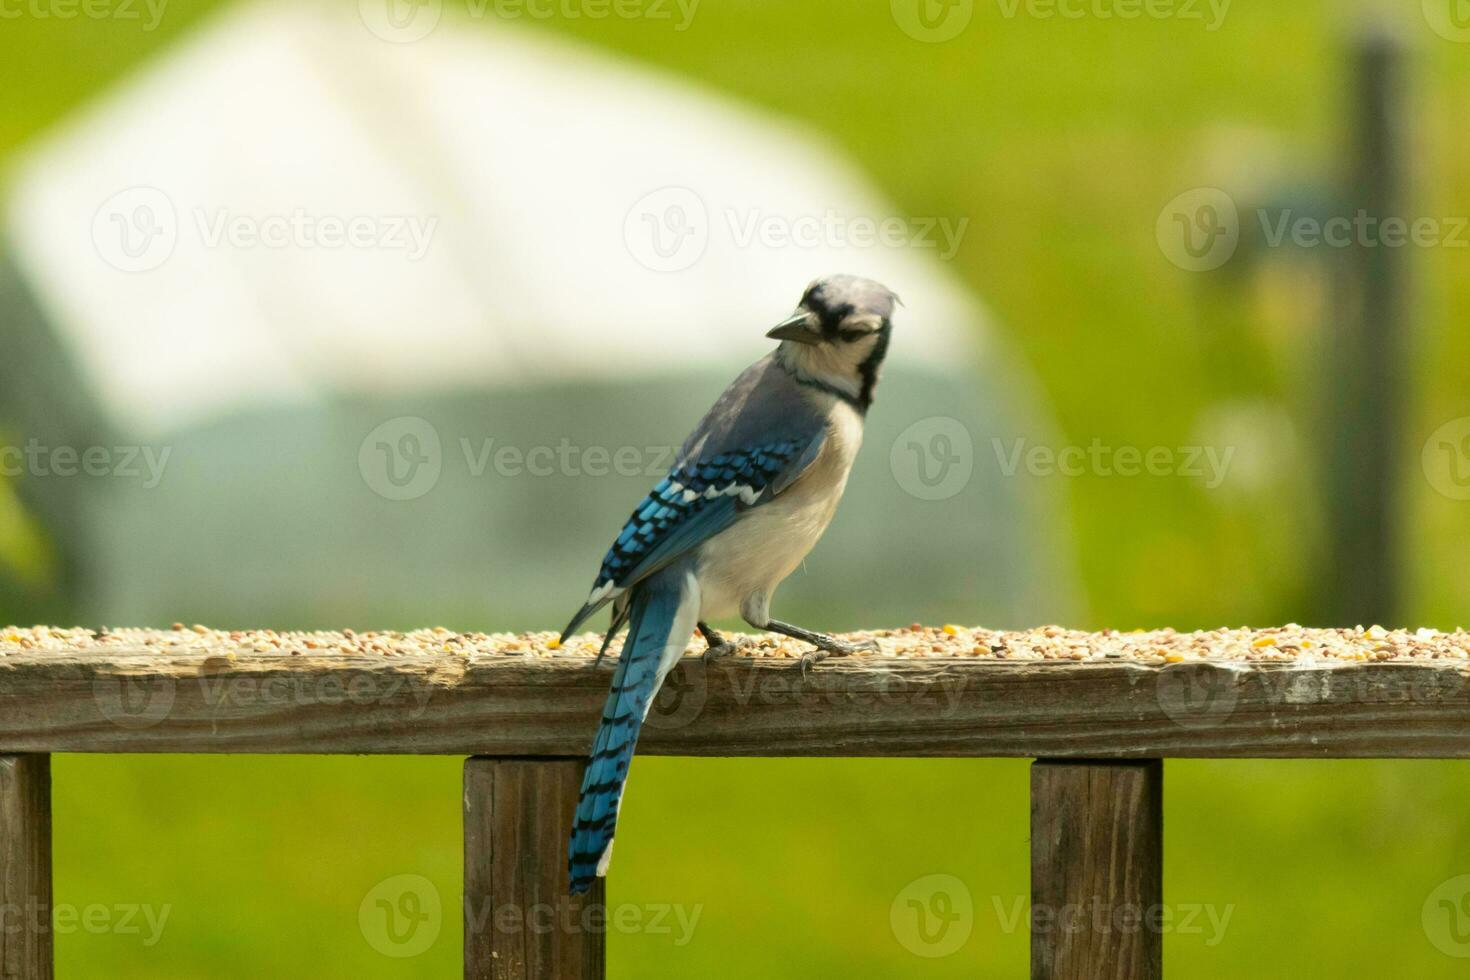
(743, 565)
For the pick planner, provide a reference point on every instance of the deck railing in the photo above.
(1098, 711)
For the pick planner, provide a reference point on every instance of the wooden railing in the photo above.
(1097, 710)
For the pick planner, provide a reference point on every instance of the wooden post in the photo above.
(520, 920)
(1369, 359)
(25, 867)
(1097, 832)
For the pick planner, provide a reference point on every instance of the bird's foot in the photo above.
(727, 648)
(835, 648)
(720, 647)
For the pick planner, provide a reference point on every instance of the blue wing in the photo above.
(698, 500)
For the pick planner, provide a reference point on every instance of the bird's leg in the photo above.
(718, 645)
(711, 635)
(827, 645)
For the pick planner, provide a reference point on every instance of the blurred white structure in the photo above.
(293, 242)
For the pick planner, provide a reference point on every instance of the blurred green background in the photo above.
(1062, 139)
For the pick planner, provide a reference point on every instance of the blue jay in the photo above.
(749, 494)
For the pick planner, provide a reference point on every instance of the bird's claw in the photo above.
(728, 648)
(808, 660)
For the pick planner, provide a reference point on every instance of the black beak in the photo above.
(794, 328)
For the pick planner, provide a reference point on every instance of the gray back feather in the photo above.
(764, 405)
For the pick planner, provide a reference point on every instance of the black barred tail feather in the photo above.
(662, 615)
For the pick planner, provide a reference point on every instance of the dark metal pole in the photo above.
(1368, 378)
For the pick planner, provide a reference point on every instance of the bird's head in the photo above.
(838, 335)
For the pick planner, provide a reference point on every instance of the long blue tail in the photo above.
(663, 612)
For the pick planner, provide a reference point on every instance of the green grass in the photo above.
(1061, 140)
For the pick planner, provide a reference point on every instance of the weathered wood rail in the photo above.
(1098, 710)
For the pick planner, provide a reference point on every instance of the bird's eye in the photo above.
(848, 336)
